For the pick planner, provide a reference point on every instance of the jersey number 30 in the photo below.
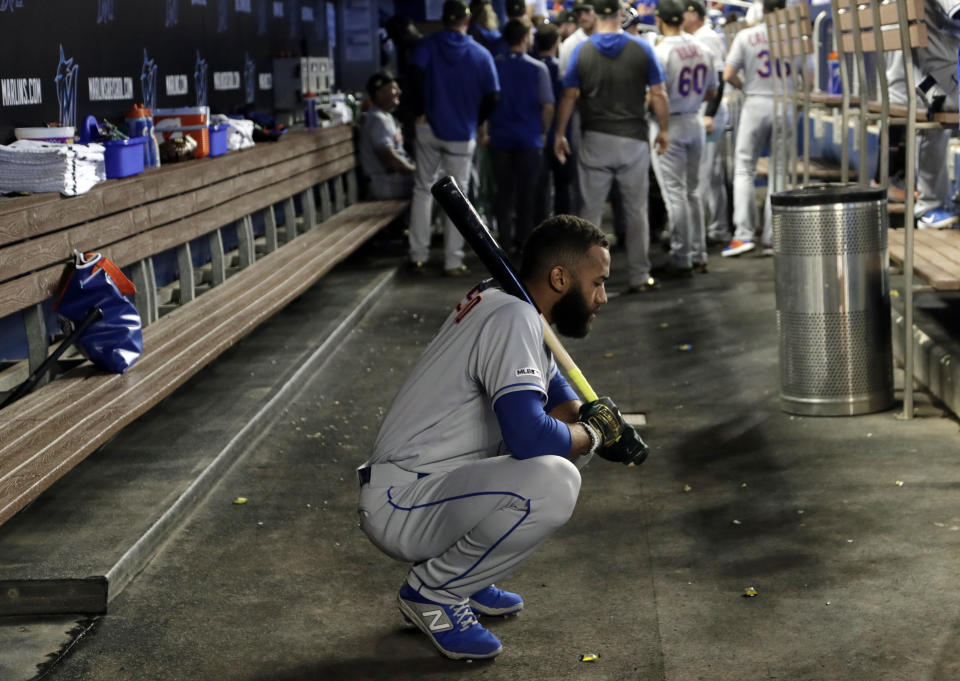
(767, 70)
(692, 79)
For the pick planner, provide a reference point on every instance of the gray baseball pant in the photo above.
(753, 135)
(933, 182)
(713, 189)
(603, 158)
(470, 527)
(678, 172)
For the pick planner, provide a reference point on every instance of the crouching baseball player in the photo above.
(476, 463)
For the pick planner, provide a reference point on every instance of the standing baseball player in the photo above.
(750, 55)
(690, 79)
(713, 187)
(476, 463)
(608, 78)
(454, 88)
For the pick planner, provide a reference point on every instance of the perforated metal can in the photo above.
(833, 299)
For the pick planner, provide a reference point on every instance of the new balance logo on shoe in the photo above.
(453, 628)
(436, 624)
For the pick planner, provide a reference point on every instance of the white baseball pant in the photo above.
(436, 157)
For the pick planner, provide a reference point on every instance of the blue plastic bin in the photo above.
(123, 158)
(218, 139)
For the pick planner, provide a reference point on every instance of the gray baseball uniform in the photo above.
(378, 130)
(751, 55)
(690, 72)
(444, 493)
(713, 189)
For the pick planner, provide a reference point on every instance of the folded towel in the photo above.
(33, 166)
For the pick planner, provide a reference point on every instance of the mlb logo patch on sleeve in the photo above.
(529, 371)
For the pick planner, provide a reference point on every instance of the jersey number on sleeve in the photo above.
(471, 301)
(692, 79)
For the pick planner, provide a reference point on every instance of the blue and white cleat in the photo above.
(453, 629)
(494, 601)
(937, 218)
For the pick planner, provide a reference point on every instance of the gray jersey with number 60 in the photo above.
(690, 71)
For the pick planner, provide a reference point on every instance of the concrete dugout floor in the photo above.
(857, 576)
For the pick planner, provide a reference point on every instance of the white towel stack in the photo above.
(31, 166)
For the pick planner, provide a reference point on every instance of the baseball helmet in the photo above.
(671, 11)
(771, 5)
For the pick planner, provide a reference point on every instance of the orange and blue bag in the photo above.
(115, 341)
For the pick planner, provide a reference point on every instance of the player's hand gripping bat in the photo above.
(629, 448)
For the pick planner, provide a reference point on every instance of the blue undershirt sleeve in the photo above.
(528, 430)
(558, 392)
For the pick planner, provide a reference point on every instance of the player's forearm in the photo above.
(394, 161)
(661, 109)
(568, 412)
(565, 110)
(730, 76)
(580, 441)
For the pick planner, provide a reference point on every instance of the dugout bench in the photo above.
(307, 179)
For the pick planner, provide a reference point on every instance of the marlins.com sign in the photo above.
(21, 91)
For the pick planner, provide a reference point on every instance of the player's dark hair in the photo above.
(546, 37)
(559, 240)
(515, 31)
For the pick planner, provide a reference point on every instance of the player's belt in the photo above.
(386, 474)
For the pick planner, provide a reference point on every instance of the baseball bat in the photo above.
(495, 259)
(468, 223)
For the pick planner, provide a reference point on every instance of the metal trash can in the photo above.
(833, 299)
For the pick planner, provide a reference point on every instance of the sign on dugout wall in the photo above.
(61, 60)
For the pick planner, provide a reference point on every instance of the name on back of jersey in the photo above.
(688, 52)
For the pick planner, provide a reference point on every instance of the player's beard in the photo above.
(572, 313)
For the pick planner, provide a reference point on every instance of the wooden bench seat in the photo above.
(819, 170)
(52, 429)
(169, 211)
(830, 100)
(936, 256)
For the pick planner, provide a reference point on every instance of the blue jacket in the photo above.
(457, 74)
